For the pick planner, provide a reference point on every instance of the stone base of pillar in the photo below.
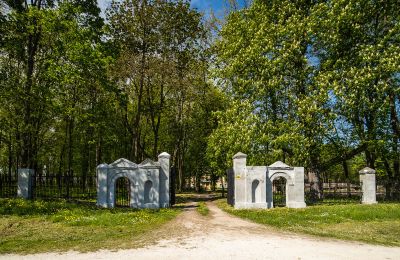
(245, 205)
(296, 205)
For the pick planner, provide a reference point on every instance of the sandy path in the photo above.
(222, 236)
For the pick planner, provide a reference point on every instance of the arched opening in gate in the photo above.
(279, 192)
(255, 191)
(122, 192)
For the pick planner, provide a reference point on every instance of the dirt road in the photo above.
(222, 236)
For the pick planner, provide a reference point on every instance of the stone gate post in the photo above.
(367, 177)
(25, 183)
(163, 159)
(102, 191)
(239, 175)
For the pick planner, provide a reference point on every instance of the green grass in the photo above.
(375, 224)
(202, 208)
(38, 226)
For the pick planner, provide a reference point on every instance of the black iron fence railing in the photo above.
(64, 187)
(8, 186)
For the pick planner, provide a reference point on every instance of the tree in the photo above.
(319, 79)
(160, 74)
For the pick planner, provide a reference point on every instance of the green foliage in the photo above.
(376, 224)
(311, 83)
(70, 226)
(76, 91)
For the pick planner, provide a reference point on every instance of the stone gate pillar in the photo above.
(25, 183)
(239, 175)
(163, 160)
(102, 171)
(367, 178)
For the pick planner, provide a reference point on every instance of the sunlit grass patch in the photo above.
(202, 208)
(377, 224)
(39, 226)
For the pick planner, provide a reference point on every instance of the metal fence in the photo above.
(388, 190)
(333, 193)
(8, 185)
(64, 186)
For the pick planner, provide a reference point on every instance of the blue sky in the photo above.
(205, 6)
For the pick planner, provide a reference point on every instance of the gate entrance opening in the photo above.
(279, 192)
(122, 192)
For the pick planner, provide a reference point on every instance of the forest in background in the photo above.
(310, 83)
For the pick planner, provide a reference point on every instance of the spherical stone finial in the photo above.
(367, 170)
(239, 155)
(164, 155)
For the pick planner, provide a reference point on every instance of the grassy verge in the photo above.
(202, 208)
(38, 226)
(376, 224)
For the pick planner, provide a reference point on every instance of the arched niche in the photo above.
(256, 191)
(148, 194)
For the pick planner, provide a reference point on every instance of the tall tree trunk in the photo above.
(27, 153)
(347, 176)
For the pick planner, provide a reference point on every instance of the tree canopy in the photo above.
(311, 83)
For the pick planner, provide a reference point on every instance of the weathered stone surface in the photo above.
(149, 182)
(25, 183)
(279, 165)
(253, 184)
(163, 161)
(367, 178)
(239, 155)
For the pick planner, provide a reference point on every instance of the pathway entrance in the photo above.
(222, 236)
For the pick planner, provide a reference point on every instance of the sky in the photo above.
(205, 6)
(201, 5)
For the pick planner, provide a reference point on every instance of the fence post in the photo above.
(367, 177)
(25, 183)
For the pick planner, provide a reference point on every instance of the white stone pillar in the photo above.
(163, 159)
(102, 191)
(25, 183)
(297, 189)
(367, 177)
(239, 174)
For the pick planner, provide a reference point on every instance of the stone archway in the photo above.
(247, 179)
(122, 192)
(279, 189)
(279, 194)
(133, 196)
(148, 182)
